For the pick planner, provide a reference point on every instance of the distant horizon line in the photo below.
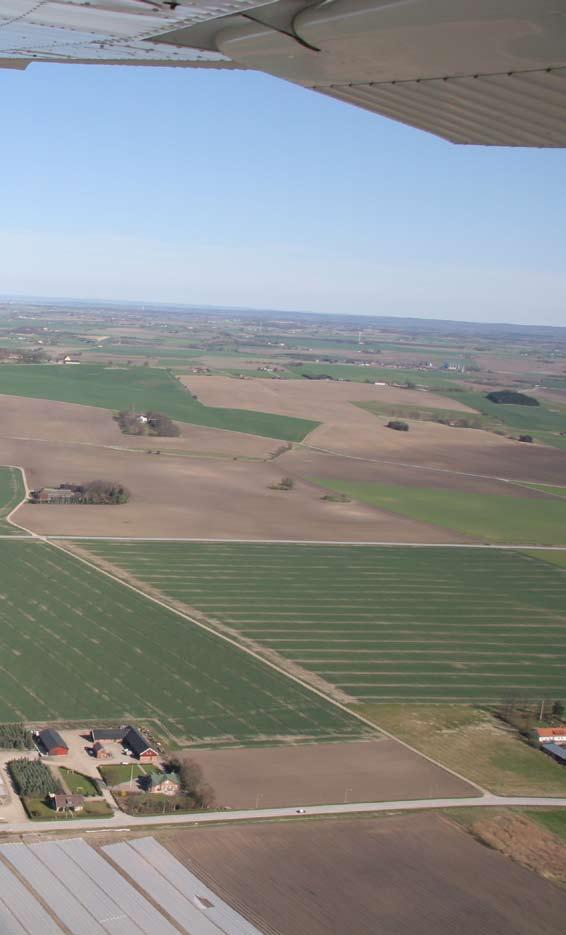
(142, 304)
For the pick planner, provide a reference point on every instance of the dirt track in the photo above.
(413, 875)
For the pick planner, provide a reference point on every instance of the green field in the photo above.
(486, 517)
(142, 388)
(544, 422)
(380, 623)
(76, 646)
(359, 374)
(12, 492)
(423, 413)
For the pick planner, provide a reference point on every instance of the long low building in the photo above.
(552, 734)
(130, 737)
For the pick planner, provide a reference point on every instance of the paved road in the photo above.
(122, 822)
(405, 545)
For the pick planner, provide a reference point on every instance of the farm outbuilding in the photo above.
(52, 742)
(557, 752)
(100, 751)
(109, 734)
(67, 803)
(140, 746)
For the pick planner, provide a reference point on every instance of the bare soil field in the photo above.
(445, 449)
(46, 420)
(315, 774)
(176, 496)
(321, 400)
(411, 875)
(349, 430)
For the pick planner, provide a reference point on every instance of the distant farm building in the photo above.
(65, 493)
(52, 742)
(551, 734)
(164, 783)
(67, 803)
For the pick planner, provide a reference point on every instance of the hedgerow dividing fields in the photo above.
(12, 492)
(381, 624)
(76, 645)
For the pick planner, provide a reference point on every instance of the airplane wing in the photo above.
(489, 72)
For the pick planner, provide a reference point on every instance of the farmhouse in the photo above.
(165, 783)
(53, 743)
(65, 493)
(552, 734)
(67, 803)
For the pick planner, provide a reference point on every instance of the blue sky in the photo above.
(233, 188)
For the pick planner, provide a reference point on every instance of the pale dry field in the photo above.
(409, 875)
(315, 774)
(320, 400)
(195, 498)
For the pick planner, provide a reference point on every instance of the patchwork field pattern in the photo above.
(76, 645)
(391, 623)
(12, 492)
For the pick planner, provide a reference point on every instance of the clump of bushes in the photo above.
(286, 483)
(105, 491)
(512, 397)
(157, 424)
(526, 438)
(397, 425)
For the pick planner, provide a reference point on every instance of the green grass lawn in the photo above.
(113, 775)
(39, 810)
(142, 388)
(544, 422)
(12, 492)
(486, 517)
(379, 623)
(473, 743)
(76, 646)
(359, 374)
(77, 782)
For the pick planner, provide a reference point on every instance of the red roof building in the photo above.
(552, 734)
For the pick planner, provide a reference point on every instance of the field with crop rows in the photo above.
(12, 492)
(380, 623)
(141, 388)
(76, 645)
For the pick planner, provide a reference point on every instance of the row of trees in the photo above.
(104, 491)
(33, 778)
(192, 781)
(15, 737)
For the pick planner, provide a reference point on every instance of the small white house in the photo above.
(141, 418)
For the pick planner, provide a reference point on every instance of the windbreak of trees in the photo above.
(33, 778)
(512, 397)
(192, 781)
(15, 737)
(104, 491)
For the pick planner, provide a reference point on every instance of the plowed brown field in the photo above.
(411, 875)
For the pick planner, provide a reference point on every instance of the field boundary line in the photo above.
(288, 675)
(420, 467)
(330, 542)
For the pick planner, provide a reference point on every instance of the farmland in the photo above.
(143, 388)
(486, 517)
(404, 875)
(12, 492)
(379, 623)
(75, 646)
